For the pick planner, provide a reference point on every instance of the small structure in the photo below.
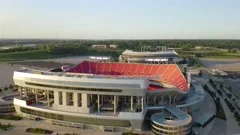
(65, 68)
(113, 46)
(198, 47)
(193, 71)
(173, 120)
(219, 72)
(99, 46)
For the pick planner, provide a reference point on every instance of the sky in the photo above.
(120, 19)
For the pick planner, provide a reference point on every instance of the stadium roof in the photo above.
(164, 73)
(147, 53)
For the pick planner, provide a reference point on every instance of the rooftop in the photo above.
(172, 117)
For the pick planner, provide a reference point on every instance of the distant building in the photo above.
(30, 45)
(113, 46)
(16, 46)
(193, 71)
(167, 56)
(99, 46)
(198, 47)
(219, 72)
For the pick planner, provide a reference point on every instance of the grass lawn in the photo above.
(237, 106)
(5, 127)
(220, 112)
(10, 117)
(39, 131)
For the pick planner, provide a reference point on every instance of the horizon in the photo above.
(120, 20)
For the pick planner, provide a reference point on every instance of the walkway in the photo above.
(20, 127)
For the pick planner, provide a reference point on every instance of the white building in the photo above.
(167, 56)
(99, 46)
(113, 46)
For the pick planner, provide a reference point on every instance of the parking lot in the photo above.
(235, 86)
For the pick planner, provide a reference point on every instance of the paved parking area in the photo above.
(6, 74)
(235, 86)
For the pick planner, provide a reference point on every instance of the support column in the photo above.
(174, 100)
(91, 98)
(131, 103)
(162, 100)
(20, 91)
(98, 98)
(56, 97)
(146, 102)
(36, 97)
(114, 104)
(75, 99)
(177, 99)
(170, 100)
(102, 99)
(25, 92)
(85, 100)
(154, 100)
(48, 98)
(64, 98)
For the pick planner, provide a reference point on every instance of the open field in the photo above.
(224, 64)
(26, 55)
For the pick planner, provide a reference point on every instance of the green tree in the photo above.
(42, 47)
(50, 47)
(10, 86)
(6, 88)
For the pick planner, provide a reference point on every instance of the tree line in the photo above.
(82, 47)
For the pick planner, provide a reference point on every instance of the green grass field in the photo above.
(16, 56)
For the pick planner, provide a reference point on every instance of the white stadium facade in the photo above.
(166, 56)
(110, 96)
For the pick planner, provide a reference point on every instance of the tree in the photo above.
(10, 86)
(0, 90)
(42, 47)
(50, 47)
(6, 88)
(200, 73)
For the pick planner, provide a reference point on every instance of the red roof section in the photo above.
(166, 73)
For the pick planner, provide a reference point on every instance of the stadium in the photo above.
(164, 56)
(110, 96)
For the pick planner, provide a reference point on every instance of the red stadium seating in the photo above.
(168, 73)
(120, 68)
(140, 69)
(153, 87)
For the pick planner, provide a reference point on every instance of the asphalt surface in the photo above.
(232, 126)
